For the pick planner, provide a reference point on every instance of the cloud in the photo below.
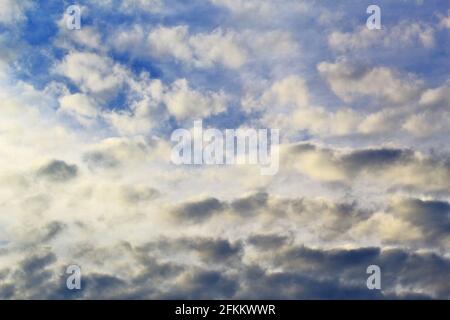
(86, 177)
(445, 21)
(80, 106)
(93, 73)
(184, 103)
(264, 10)
(268, 242)
(431, 217)
(58, 171)
(392, 167)
(195, 212)
(350, 81)
(250, 205)
(200, 50)
(437, 97)
(12, 12)
(404, 34)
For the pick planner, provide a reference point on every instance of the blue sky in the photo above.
(85, 146)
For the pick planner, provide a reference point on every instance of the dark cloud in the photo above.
(58, 171)
(431, 217)
(290, 272)
(36, 263)
(197, 212)
(251, 204)
(209, 250)
(267, 241)
(204, 284)
(375, 158)
(261, 284)
(52, 229)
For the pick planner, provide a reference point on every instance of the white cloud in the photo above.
(81, 106)
(445, 21)
(151, 6)
(184, 103)
(171, 41)
(12, 11)
(406, 33)
(200, 50)
(92, 73)
(290, 91)
(87, 37)
(350, 81)
(437, 98)
(263, 10)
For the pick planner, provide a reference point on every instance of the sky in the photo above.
(86, 176)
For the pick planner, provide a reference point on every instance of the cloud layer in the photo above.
(86, 176)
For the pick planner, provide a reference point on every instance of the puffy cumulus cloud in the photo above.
(87, 37)
(93, 73)
(149, 103)
(400, 104)
(382, 122)
(350, 81)
(201, 50)
(437, 97)
(318, 121)
(427, 123)
(31, 132)
(153, 102)
(184, 103)
(218, 46)
(392, 167)
(287, 104)
(291, 90)
(426, 117)
(404, 34)
(205, 50)
(400, 108)
(83, 107)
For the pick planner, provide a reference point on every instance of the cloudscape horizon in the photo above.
(224, 149)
